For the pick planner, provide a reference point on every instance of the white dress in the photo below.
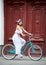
(18, 41)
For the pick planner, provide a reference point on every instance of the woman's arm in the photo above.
(26, 32)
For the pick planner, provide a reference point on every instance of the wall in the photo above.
(34, 20)
(1, 22)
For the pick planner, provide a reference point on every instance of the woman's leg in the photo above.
(23, 42)
(18, 46)
(17, 43)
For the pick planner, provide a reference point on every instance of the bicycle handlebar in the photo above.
(29, 35)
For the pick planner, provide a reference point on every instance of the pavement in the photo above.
(22, 61)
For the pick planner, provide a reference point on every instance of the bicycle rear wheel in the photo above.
(8, 51)
(36, 54)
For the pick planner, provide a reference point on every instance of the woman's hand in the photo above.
(30, 34)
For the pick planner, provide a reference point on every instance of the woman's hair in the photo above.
(19, 24)
(19, 21)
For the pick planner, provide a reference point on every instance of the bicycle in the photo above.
(34, 51)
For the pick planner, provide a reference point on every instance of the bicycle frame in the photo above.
(28, 43)
(34, 51)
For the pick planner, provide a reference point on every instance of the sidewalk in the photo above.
(22, 61)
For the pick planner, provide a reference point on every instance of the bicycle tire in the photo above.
(37, 55)
(5, 52)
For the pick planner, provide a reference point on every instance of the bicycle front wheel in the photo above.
(8, 51)
(36, 54)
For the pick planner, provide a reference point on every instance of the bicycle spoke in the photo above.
(35, 55)
(7, 51)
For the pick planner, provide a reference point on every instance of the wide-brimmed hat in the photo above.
(19, 20)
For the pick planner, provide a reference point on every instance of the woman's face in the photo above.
(20, 23)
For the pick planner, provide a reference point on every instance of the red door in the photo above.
(33, 17)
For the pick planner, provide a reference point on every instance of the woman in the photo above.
(17, 39)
